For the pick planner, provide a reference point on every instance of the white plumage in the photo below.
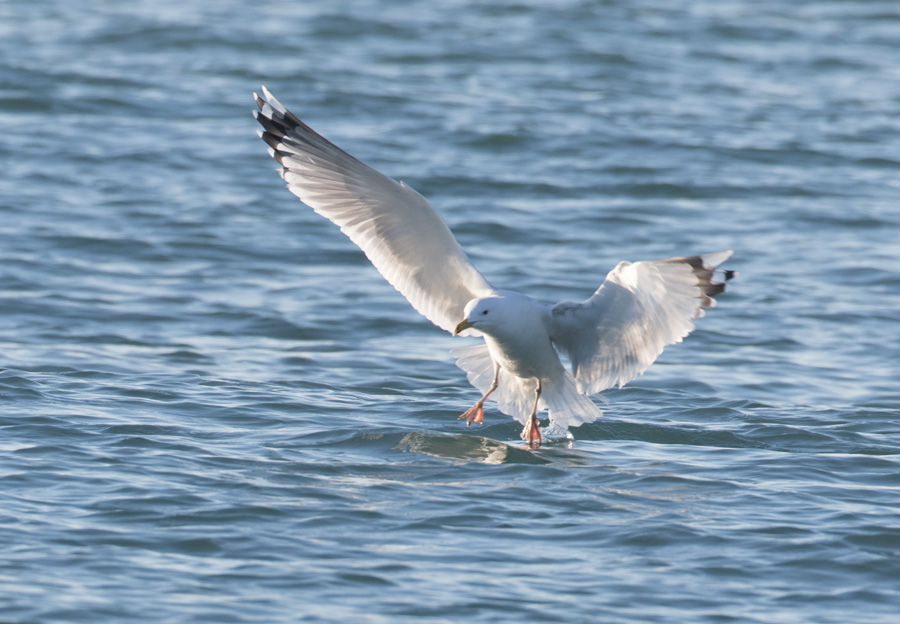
(610, 338)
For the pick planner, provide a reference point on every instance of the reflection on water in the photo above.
(467, 447)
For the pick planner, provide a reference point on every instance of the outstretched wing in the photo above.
(639, 309)
(397, 228)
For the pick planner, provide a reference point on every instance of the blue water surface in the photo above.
(215, 410)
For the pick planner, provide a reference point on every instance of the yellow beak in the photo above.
(463, 325)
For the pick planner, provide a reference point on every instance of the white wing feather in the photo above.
(639, 309)
(396, 228)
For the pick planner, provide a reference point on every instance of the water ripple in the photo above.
(215, 410)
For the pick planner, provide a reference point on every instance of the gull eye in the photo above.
(485, 313)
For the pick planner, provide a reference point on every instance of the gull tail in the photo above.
(568, 407)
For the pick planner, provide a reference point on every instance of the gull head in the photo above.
(483, 314)
(498, 314)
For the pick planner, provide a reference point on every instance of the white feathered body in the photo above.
(521, 343)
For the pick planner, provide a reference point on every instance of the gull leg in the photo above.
(531, 434)
(476, 412)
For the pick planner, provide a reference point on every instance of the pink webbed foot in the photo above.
(531, 433)
(476, 412)
(473, 414)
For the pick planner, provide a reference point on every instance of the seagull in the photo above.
(608, 339)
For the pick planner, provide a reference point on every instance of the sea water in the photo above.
(215, 410)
